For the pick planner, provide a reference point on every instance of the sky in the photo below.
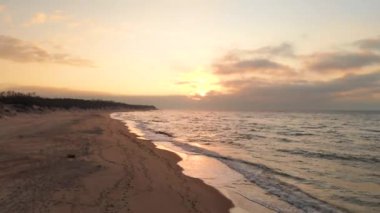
(215, 54)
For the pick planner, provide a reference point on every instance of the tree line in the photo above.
(29, 100)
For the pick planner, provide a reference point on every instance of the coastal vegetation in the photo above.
(24, 102)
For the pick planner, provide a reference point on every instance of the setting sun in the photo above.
(202, 93)
(199, 83)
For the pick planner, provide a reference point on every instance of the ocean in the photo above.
(283, 161)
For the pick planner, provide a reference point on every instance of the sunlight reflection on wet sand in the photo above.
(218, 175)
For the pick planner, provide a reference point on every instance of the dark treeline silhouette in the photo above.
(31, 100)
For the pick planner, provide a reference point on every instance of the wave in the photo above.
(249, 136)
(165, 133)
(290, 133)
(287, 140)
(264, 177)
(314, 127)
(372, 130)
(372, 203)
(331, 156)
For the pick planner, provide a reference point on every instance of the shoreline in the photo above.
(245, 195)
(85, 161)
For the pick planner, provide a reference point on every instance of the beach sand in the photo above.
(84, 161)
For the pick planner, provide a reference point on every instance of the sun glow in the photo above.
(202, 93)
(199, 83)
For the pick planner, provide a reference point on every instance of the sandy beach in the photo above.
(84, 161)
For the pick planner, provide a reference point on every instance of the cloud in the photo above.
(253, 66)
(369, 44)
(281, 61)
(347, 61)
(349, 92)
(284, 49)
(21, 51)
(260, 79)
(258, 62)
(330, 88)
(43, 18)
(238, 85)
(325, 62)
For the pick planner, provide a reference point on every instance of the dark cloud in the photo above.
(330, 88)
(310, 88)
(349, 92)
(369, 44)
(341, 61)
(237, 84)
(258, 66)
(21, 51)
(261, 64)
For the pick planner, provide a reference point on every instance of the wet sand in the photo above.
(84, 161)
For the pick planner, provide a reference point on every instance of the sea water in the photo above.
(307, 162)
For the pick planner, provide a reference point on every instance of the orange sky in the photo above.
(189, 48)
